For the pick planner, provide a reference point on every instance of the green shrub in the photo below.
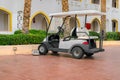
(92, 33)
(18, 32)
(32, 31)
(20, 39)
(113, 36)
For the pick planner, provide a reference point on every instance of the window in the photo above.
(33, 20)
(96, 1)
(115, 3)
(4, 21)
(95, 25)
(114, 25)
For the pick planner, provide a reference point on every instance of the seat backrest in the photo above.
(74, 32)
(83, 32)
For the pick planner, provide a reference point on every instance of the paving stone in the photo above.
(102, 66)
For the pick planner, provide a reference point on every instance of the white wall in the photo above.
(13, 6)
(112, 13)
(47, 6)
(84, 5)
(51, 6)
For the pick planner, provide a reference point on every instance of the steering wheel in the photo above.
(60, 29)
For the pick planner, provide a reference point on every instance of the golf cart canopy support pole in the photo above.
(85, 21)
(85, 27)
(75, 20)
(47, 28)
(64, 20)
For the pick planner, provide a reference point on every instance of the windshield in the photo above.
(55, 22)
(69, 22)
(67, 26)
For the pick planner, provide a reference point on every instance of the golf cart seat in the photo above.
(74, 32)
(82, 34)
(53, 38)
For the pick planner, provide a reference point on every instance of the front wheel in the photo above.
(77, 52)
(42, 49)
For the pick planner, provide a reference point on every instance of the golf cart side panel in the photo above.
(70, 43)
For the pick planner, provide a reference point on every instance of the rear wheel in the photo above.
(77, 52)
(43, 49)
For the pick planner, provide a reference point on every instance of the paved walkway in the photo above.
(104, 66)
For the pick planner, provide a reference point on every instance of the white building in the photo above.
(11, 14)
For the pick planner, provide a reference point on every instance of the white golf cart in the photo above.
(78, 42)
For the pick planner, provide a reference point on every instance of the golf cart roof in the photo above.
(78, 13)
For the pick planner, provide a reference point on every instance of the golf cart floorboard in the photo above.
(58, 50)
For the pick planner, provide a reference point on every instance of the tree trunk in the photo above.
(26, 17)
(103, 18)
(65, 8)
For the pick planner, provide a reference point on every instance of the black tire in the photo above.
(42, 49)
(77, 52)
(89, 54)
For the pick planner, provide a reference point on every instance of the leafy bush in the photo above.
(18, 32)
(18, 38)
(32, 31)
(39, 32)
(92, 33)
(113, 35)
(37, 36)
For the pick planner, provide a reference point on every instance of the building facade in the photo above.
(11, 15)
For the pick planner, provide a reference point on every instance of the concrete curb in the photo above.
(111, 43)
(17, 49)
(27, 49)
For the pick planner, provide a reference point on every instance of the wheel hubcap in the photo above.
(76, 53)
(42, 49)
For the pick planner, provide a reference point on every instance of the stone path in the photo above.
(102, 66)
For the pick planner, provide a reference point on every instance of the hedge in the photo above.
(33, 31)
(108, 35)
(37, 36)
(18, 38)
(113, 35)
(92, 33)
